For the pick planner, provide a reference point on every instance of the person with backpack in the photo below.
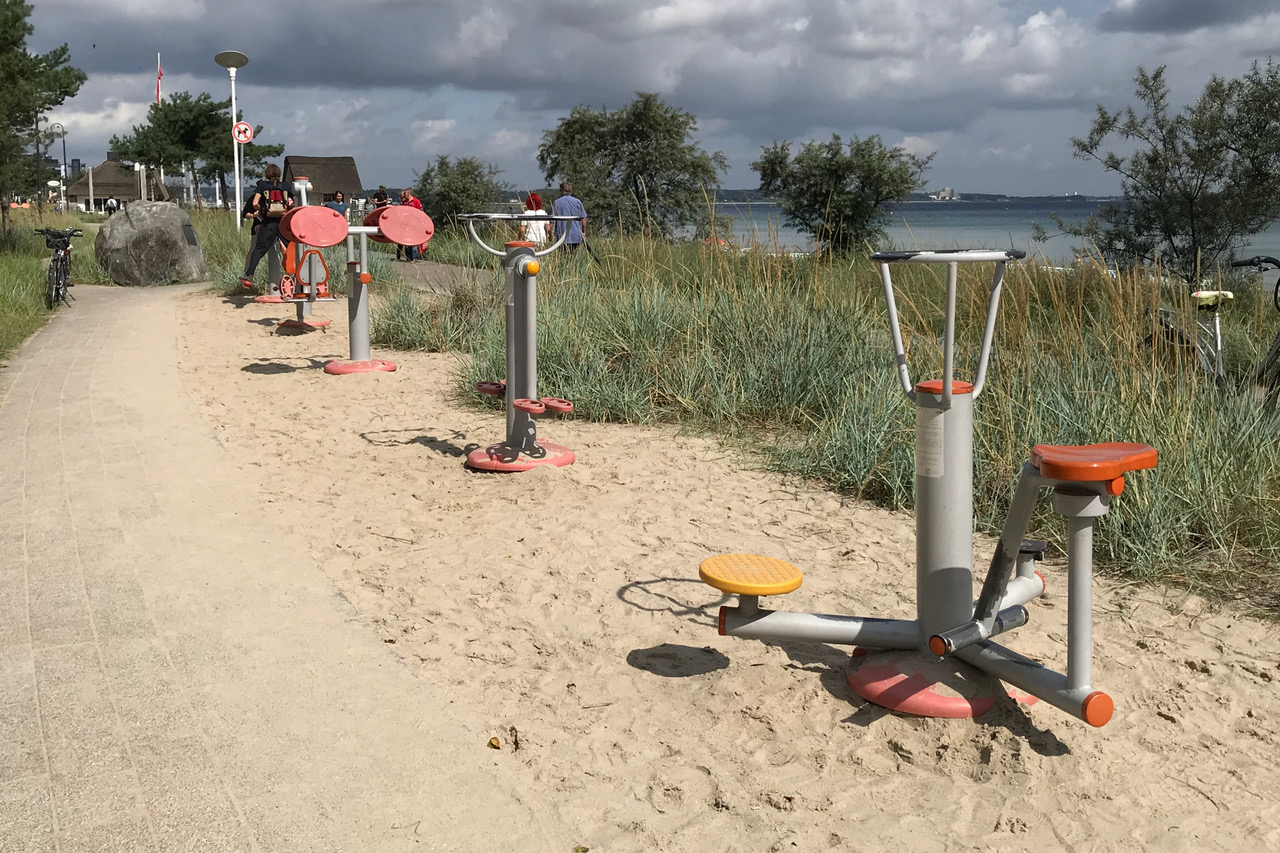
(269, 202)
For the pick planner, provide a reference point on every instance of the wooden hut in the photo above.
(113, 179)
(327, 176)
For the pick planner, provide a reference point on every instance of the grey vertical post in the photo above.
(304, 307)
(522, 349)
(944, 512)
(357, 303)
(1079, 602)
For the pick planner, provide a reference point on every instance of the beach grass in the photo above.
(789, 357)
(23, 272)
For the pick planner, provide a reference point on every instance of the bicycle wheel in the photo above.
(1267, 376)
(51, 295)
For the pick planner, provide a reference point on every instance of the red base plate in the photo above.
(918, 684)
(373, 365)
(499, 457)
(304, 324)
(269, 298)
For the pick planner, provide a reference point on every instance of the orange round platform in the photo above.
(400, 224)
(499, 457)
(342, 367)
(913, 683)
(271, 297)
(304, 324)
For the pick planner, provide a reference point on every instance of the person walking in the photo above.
(339, 204)
(531, 230)
(568, 205)
(410, 252)
(269, 202)
(380, 198)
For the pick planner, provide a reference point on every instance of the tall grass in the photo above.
(790, 356)
(23, 273)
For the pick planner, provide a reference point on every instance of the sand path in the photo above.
(563, 605)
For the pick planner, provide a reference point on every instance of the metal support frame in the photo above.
(521, 449)
(947, 620)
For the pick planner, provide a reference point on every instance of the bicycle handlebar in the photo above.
(1257, 261)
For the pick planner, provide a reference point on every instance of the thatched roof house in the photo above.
(113, 179)
(327, 175)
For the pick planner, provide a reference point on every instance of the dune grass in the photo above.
(23, 272)
(790, 358)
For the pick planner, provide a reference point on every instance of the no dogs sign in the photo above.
(242, 132)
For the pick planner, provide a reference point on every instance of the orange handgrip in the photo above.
(934, 386)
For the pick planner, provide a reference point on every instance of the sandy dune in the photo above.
(562, 608)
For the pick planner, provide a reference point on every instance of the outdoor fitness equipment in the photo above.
(948, 622)
(401, 224)
(521, 450)
(306, 277)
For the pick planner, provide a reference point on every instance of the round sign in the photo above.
(242, 132)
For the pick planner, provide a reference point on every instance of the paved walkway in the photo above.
(176, 672)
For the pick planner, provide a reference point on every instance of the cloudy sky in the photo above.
(995, 87)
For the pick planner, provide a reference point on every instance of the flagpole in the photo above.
(159, 74)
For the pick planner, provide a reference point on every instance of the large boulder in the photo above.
(150, 242)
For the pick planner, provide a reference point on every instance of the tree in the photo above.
(29, 85)
(466, 185)
(635, 168)
(1197, 182)
(182, 131)
(836, 194)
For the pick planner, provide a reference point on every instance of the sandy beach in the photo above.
(561, 610)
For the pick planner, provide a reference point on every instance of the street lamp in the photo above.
(58, 129)
(231, 60)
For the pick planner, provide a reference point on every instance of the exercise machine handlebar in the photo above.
(472, 218)
(953, 259)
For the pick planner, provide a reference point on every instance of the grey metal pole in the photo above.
(235, 151)
(274, 269)
(91, 204)
(1079, 602)
(357, 302)
(944, 512)
(522, 342)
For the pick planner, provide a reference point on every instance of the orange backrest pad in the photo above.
(1092, 463)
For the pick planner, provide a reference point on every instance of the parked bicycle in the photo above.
(1205, 340)
(1267, 373)
(60, 265)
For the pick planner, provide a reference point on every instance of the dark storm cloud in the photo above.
(1179, 16)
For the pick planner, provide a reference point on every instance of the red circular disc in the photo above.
(496, 388)
(269, 298)
(401, 224)
(912, 683)
(557, 405)
(342, 367)
(499, 457)
(532, 407)
(314, 226)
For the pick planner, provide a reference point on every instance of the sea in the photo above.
(960, 224)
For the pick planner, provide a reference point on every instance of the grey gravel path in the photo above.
(176, 672)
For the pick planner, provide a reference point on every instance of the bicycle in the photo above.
(1205, 341)
(60, 265)
(1267, 373)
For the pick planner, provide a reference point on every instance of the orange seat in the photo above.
(1092, 463)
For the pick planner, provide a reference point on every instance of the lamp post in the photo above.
(231, 60)
(61, 131)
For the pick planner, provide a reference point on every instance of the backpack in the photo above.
(275, 203)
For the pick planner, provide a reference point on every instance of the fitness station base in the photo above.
(271, 298)
(911, 683)
(344, 367)
(306, 325)
(500, 457)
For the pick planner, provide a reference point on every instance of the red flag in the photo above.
(159, 74)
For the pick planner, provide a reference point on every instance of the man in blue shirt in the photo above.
(568, 205)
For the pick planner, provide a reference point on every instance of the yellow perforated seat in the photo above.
(750, 574)
(1211, 298)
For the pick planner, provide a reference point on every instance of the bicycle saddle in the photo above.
(1211, 298)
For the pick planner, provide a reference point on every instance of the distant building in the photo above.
(945, 194)
(113, 179)
(326, 174)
